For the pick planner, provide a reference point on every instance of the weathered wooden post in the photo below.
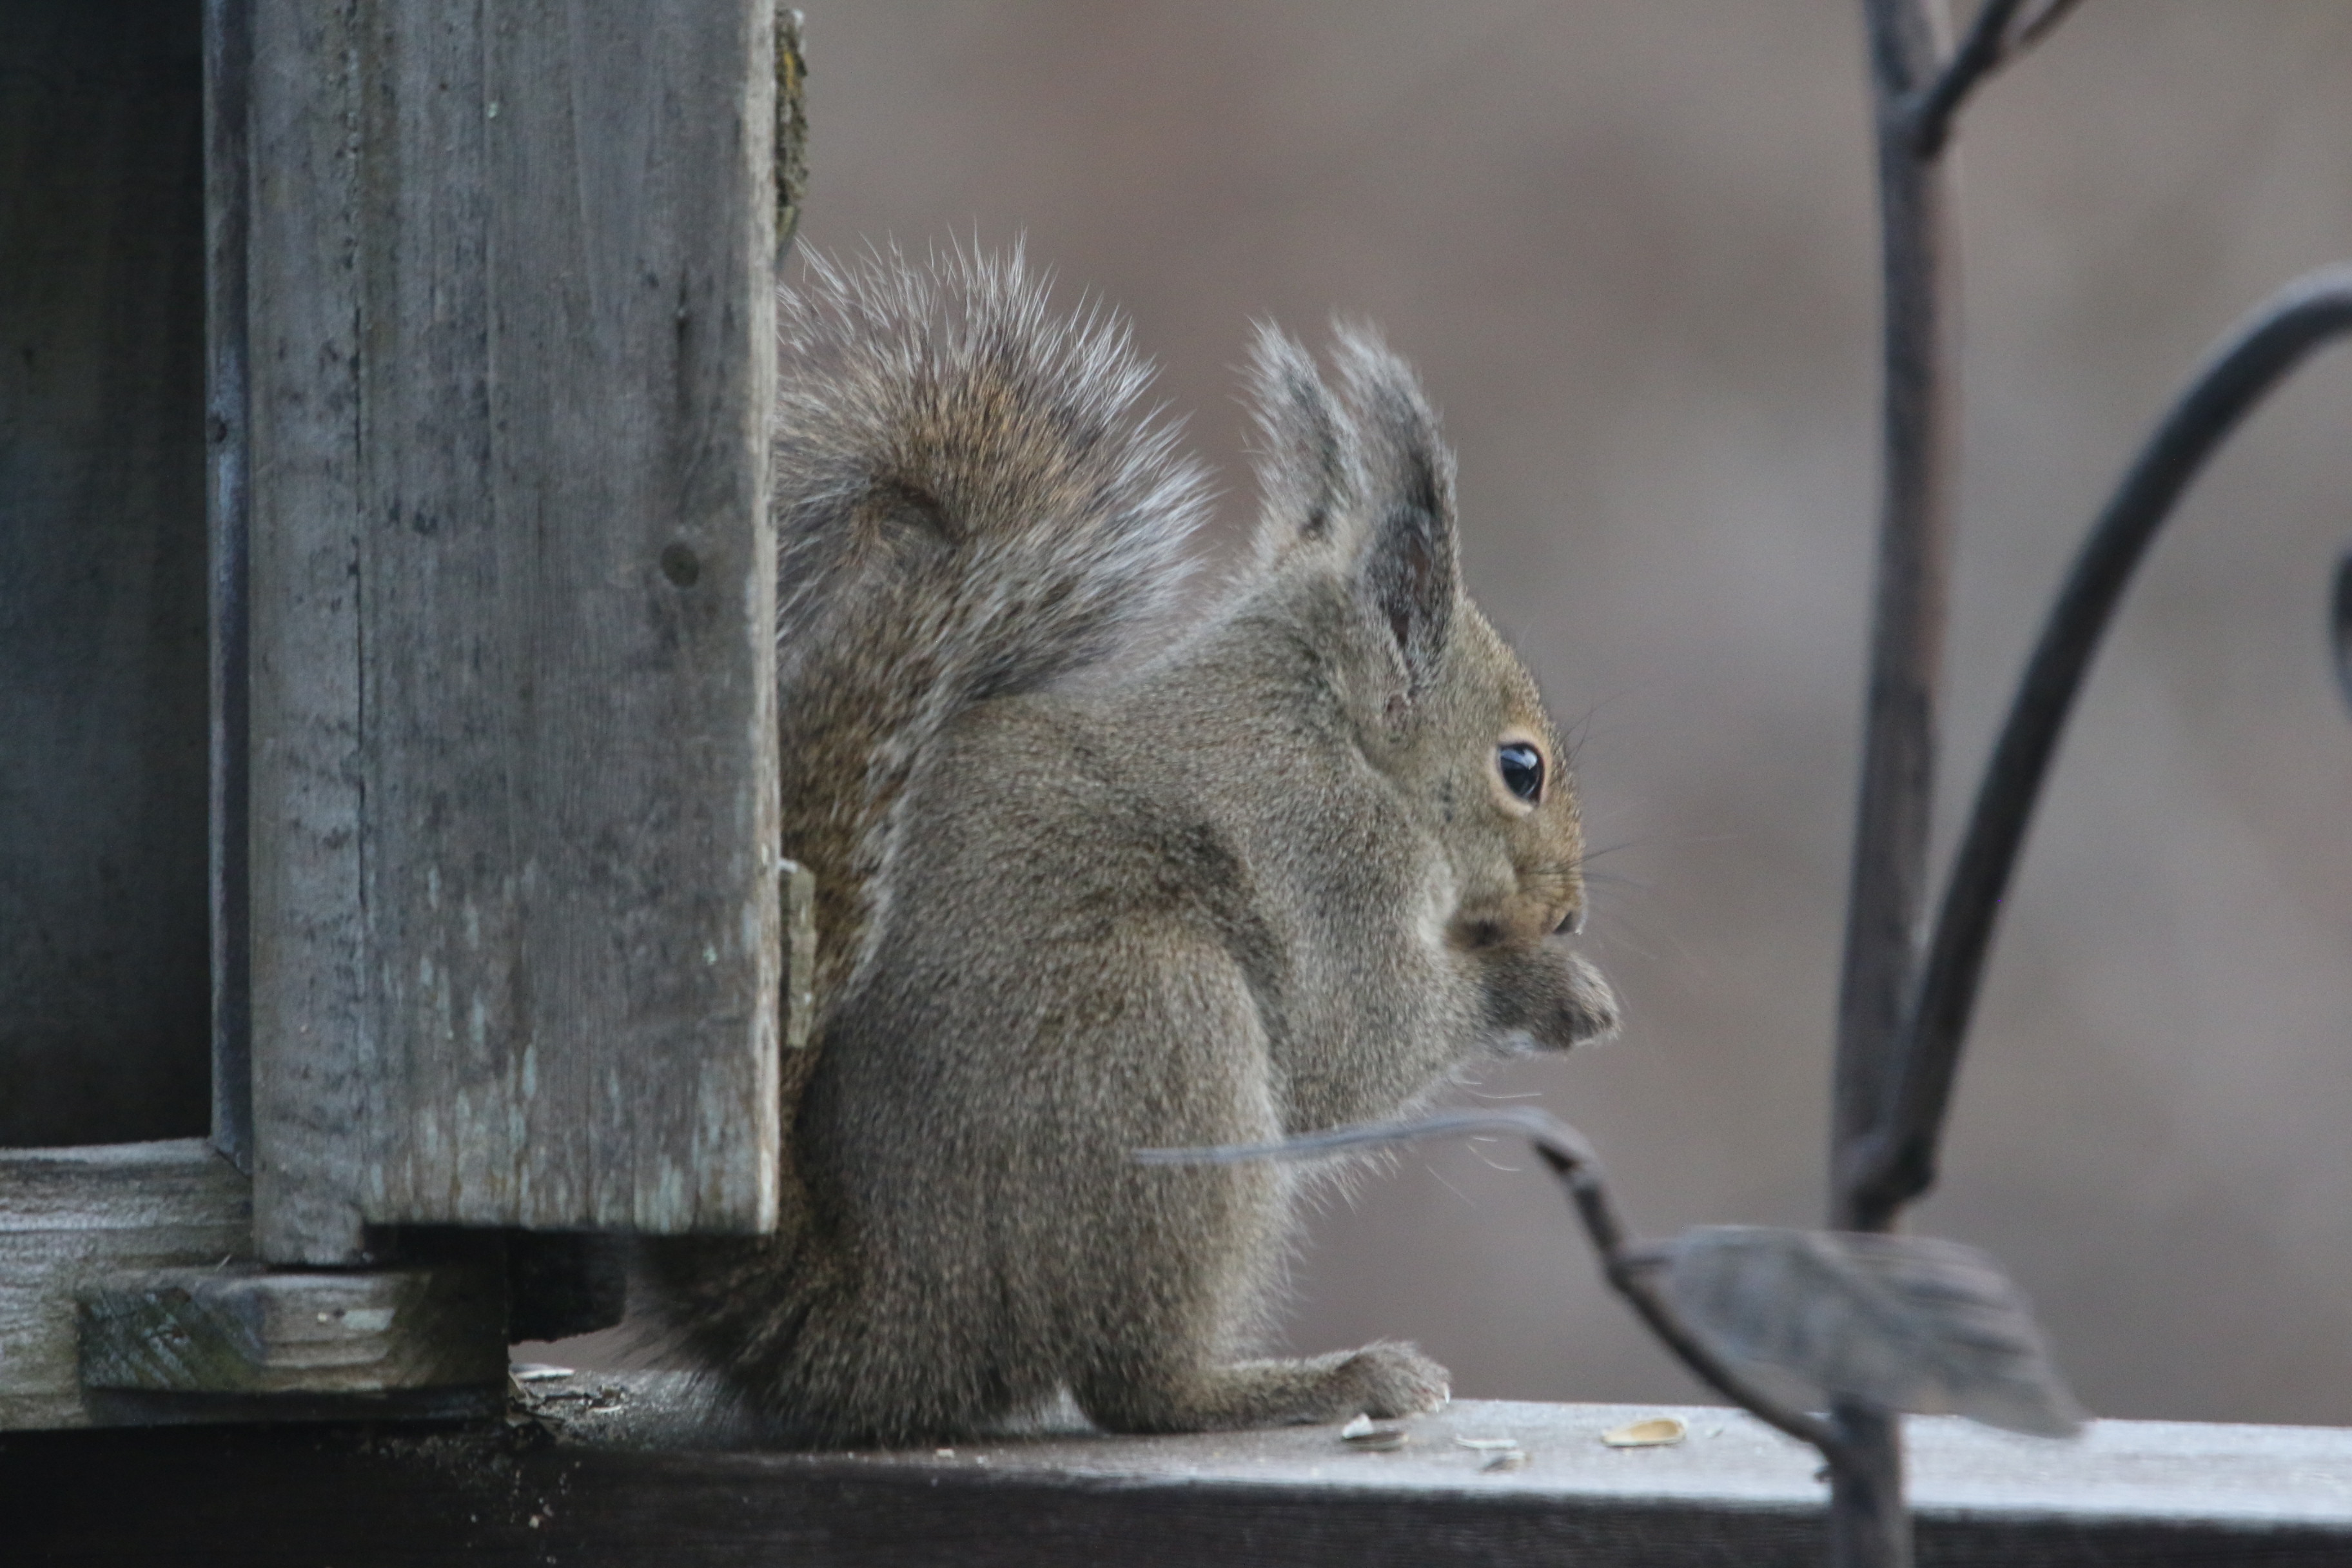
(513, 791)
(488, 328)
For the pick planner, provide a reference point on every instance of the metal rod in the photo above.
(1868, 1527)
(1890, 849)
(1984, 51)
(1994, 39)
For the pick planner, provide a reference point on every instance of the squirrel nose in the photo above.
(1572, 923)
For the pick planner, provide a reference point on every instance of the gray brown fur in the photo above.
(1263, 881)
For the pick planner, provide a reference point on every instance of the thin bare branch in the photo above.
(1628, 1266)
(1994, 38)
(1899, 1164)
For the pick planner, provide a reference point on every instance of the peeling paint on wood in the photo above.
(799, 890)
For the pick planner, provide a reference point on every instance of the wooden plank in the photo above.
(102, 908)
(313, 1050)
(128, 1295)
(515, 927)
(228, 492)
(241, 1331)
(2174, 1473)
(69, 1215)
(617, 1488)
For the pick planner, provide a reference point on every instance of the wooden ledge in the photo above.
(608, 1470)
(2181, 1472)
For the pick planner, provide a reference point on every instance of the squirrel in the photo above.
(1084, 887)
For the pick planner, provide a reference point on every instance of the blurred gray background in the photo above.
(1629, 243)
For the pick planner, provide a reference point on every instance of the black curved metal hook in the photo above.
(2339, 626)
(1898, 1164)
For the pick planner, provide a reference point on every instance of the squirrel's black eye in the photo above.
(1523, 771)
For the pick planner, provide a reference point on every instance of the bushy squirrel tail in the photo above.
(969, 502)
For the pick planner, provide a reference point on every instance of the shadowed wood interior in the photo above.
(104, 1020)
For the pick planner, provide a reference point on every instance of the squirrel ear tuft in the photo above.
(1407, 567)
(1306, 469)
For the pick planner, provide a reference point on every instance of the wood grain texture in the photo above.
(228, 517)
(239, 1330)
(313, 1046)
(69, 1215)
(102, 917)
(516, 926)
(628, 1492)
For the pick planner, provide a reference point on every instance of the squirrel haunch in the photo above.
(1084, 889)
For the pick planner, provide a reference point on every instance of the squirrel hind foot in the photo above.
(1384, 1380)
